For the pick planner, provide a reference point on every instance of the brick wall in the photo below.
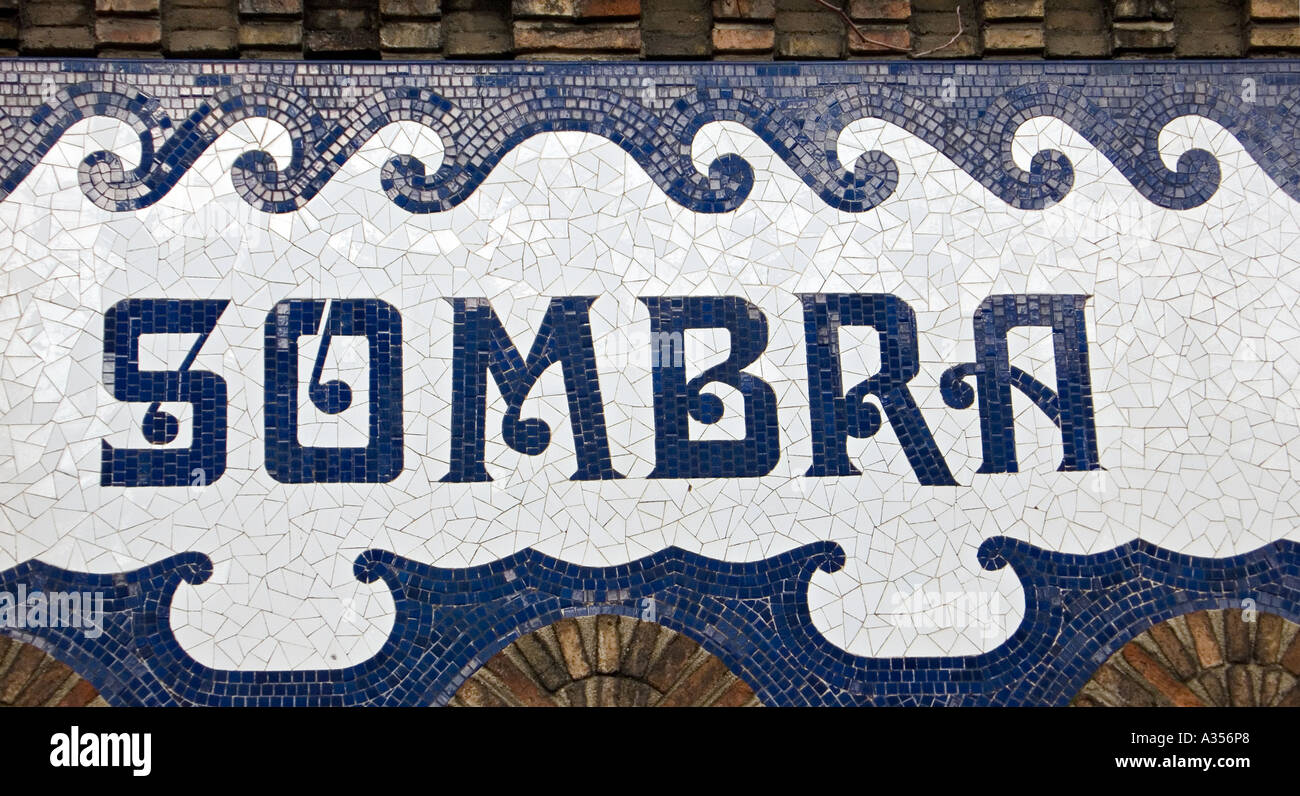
(651, 29)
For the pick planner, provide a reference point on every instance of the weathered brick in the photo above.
(410, 8)
(128, 31)
(1001, 38)
(543, 8)
(1144, 9)
(1131, 692)
(1274, 10)
(1270, 685)
(44, 685)
(945, 46)
(410, 55)
(1143, 35)
(736, 695)
(744, 9)
(341, 43)
(536, 36)
(1172, 648)
(1291, 700)
(743, 38)
(676, 45)
(1075, 20)
(474, 694)
(668, 666)
(335, 29)
(24, 667)
(270, 34)
(202, 42)
(636, 660)
(1209, 28)
(81, 695)
(478, 43)
(135, 52)
(805, 31)
(549, 671)
(608, 648)
(50, 13)
(126, 6)
(1106, 679)
(1076, 29)
(261, 54)
(178, 18)
(1077, 45)
(576, 9)
(57, 41)
(677, 29)
(1204, 640)
(1275, 37)
(339, 20)
(570, 638)
(1159, 677)
(880, 9)
(1013, 9)
(286, 8)
(1212, 682)
(1268, 638)
(880, 39)
(1291, 659)
(934, 23)
(697, 685)
(1241, 690)
(410, 35)
(810, 22)
(1237, 635)
(529, 693)
(593, 9)
(477, 29)
(810, 45)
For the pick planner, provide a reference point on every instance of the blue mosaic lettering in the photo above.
(678, 456)
(124, 323)
(1069, 407)
(381, 459)
(482, 346)
(836, 416)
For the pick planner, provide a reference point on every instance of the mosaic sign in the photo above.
(886, 383)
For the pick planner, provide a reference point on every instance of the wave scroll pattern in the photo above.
(754, 616)
(657, 134)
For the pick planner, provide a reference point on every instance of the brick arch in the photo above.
(31, 677)
(604, 661)
(1221, 657)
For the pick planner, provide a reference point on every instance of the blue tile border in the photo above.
(754, 616)
(968, 111)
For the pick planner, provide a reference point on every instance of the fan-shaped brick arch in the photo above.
(29, 677)
(1217, 657)
(606, 661)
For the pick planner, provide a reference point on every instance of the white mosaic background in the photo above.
(1193, 346)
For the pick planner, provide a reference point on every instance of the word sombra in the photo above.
(483, 349)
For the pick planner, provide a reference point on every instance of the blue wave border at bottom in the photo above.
(1079, 609)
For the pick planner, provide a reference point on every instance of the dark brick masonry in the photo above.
(650, 29)
(604, 661)
(1218, 657)
(32, 678)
